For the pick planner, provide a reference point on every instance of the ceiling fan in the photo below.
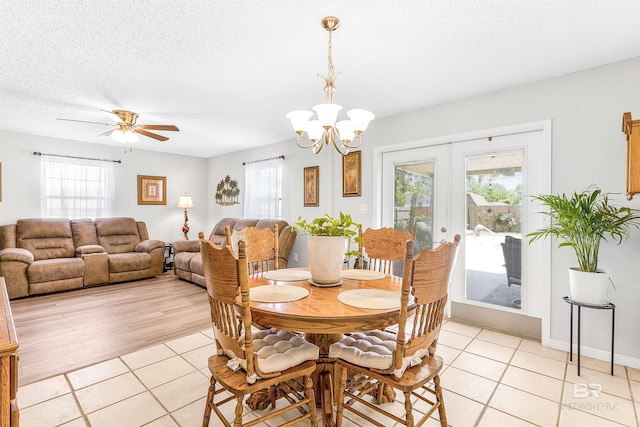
(126, 128)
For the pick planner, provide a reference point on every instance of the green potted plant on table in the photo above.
(325, 241)
(582, 221)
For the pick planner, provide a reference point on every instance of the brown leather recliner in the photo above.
(187, 262)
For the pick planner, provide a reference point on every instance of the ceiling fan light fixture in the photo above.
(126, 129)
(118, 135)
(131, 136)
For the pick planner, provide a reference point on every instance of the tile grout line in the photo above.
(633, 397)
(75, 398)
(564, 384)
(486, 405)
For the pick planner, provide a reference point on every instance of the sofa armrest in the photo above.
(16, 254)
(186, 246)
(89, 249)
(149, 245)
(14, 263)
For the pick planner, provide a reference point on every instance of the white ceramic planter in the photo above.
(589, 288)
(326, 255)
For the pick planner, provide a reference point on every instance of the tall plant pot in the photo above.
(326, 255)
(587, 287)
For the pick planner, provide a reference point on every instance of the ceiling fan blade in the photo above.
(152, 135)
(112, 115)
(160, 127)
(108, 133)
(85, 121)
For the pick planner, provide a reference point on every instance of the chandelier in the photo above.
(315, 134)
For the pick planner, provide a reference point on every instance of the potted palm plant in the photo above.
(582, 221)
(325, 241)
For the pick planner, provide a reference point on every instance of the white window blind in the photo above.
(263, 189)
(76, 188)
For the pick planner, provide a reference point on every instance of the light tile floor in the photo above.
(490, 379)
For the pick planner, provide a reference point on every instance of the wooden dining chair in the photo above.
(406, 360)
(385, 248)
(275, 362)
(261, 244)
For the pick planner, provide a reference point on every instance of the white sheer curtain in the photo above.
(263, 189)
(76, 188)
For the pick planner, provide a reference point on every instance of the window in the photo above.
(76, 188)
(263, 189)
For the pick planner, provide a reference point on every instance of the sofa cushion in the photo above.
(182, 260)
(132, 261)
(117, 235)
(49, 270)
(45, 238)
(268, 223)
(84, 232)
(243, 223)
(219, 228)
(196, 265)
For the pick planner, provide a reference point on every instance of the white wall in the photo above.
(588, 148)
(21, 182)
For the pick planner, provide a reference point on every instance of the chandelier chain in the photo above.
(330, 58)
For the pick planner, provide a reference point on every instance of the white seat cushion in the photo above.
(372, 349)
(279, 350)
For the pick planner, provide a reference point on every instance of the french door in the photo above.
(477, 186)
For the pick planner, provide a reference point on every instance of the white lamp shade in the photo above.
(315, 130)
(118, 135)
(185, 202)
(360, 119)
(299, 119)
(327, 113)
(345, 130)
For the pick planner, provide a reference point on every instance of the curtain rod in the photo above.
(37, 153)
(264, 160)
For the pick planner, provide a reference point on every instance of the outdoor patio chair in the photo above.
(512, 252)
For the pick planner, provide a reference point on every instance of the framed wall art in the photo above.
(152, 190)
(351, 175)
(312, 186)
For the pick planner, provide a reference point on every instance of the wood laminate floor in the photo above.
(62, 332)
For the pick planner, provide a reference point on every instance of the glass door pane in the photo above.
(413, 199)
(415, 193)
(493, 256)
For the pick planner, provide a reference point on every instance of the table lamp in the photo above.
(185, 203)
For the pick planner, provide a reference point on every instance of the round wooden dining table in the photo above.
(323, 318)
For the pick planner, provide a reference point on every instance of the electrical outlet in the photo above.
(295, 257)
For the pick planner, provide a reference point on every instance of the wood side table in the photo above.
(9, 415)
(608, 306)
(168, 257)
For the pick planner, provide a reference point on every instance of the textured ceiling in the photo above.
(226, 72)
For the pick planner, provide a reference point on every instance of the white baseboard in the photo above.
(596, 353)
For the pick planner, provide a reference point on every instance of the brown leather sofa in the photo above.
(187, 262)
(48, 255)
